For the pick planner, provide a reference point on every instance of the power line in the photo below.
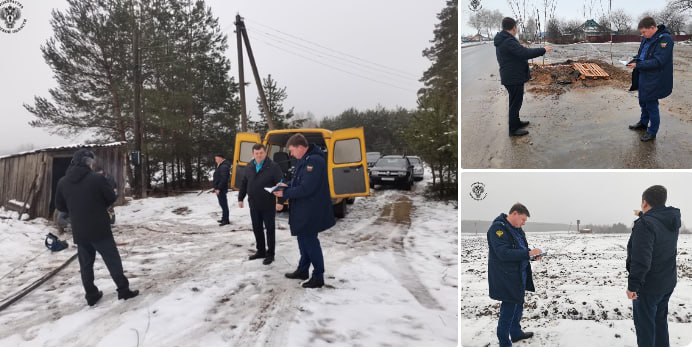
(334, 50)
(335, 68)
(347, 62)
(322, 52)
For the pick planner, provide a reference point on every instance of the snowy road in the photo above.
(391, 274)
(580, 293)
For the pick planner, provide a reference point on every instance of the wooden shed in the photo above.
(28, 180)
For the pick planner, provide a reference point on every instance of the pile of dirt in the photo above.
(558, 78)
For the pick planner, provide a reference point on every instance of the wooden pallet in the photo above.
(590, 71)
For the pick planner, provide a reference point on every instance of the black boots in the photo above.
(92, 299)
(525, 335)
(268, 260)
(297, 275)
(127, 294)
(638, 126)
(257, 256)
(647, 137)
(313, 283)
(518, 132)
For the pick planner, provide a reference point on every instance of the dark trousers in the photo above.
(508, 325)
(516, 99)
(650, 312)
(262, 219)
(223, 202)
(311, 253)
(650, 114)
(86, 253)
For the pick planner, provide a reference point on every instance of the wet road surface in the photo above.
(583, 128)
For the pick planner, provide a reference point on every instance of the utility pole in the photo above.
(140, 180)
(241, 74)
(258, 80)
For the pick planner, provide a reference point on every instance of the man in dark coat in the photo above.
(310, 208)
(222, 174)
(651, 253)
(261, 172)
(514, 70)
(652, 75)
(86, 195)
(509, 271)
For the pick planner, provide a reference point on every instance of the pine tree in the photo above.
(189, 102)
(275, 101)
(433, 130)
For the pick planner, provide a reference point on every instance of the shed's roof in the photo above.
(65, 147)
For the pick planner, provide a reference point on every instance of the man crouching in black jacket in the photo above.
(651, 253)
(86, 195)
(261, 172)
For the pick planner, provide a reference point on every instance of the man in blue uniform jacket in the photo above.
(651, 253)
(509, 271)
(652, 75)
(310, 208)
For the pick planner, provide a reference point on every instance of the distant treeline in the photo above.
(619, 228)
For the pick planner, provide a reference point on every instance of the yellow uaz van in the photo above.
(344, 153)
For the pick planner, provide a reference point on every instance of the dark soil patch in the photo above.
(556, 79)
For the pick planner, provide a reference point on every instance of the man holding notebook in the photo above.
(509, 271)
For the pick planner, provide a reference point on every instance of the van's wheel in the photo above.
(407, 185)
(351, 200)
(340, 209)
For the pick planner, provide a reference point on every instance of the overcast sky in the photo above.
(389, 33)
(565, 9)
(564, 197)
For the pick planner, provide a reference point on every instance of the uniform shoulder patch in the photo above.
(309, 168)
(499, 233)
(664, 44)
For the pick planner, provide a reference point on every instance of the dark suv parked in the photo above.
(372, 157)
(393, 170)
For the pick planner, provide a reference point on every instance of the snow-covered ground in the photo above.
(391, 280)
(580, 293)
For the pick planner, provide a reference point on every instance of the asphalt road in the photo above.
(583, 128)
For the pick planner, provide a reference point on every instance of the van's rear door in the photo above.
(347, 166)
(242, 155)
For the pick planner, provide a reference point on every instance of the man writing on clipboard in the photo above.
(509, 271)
(310, 208)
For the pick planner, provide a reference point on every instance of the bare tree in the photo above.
(604, 22)
(476, 21)
(521, 11)
(570, 26)
(531, 29)
(492, 20)
(682, 5)
(594, 9)
(622, 22)
(671, 17)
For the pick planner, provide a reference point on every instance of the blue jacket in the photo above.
(513, 59)
(310, 204)
(505, 260)
(651, 251)
(653, 76)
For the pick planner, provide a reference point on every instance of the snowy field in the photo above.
(391, 275)
(580, 293)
